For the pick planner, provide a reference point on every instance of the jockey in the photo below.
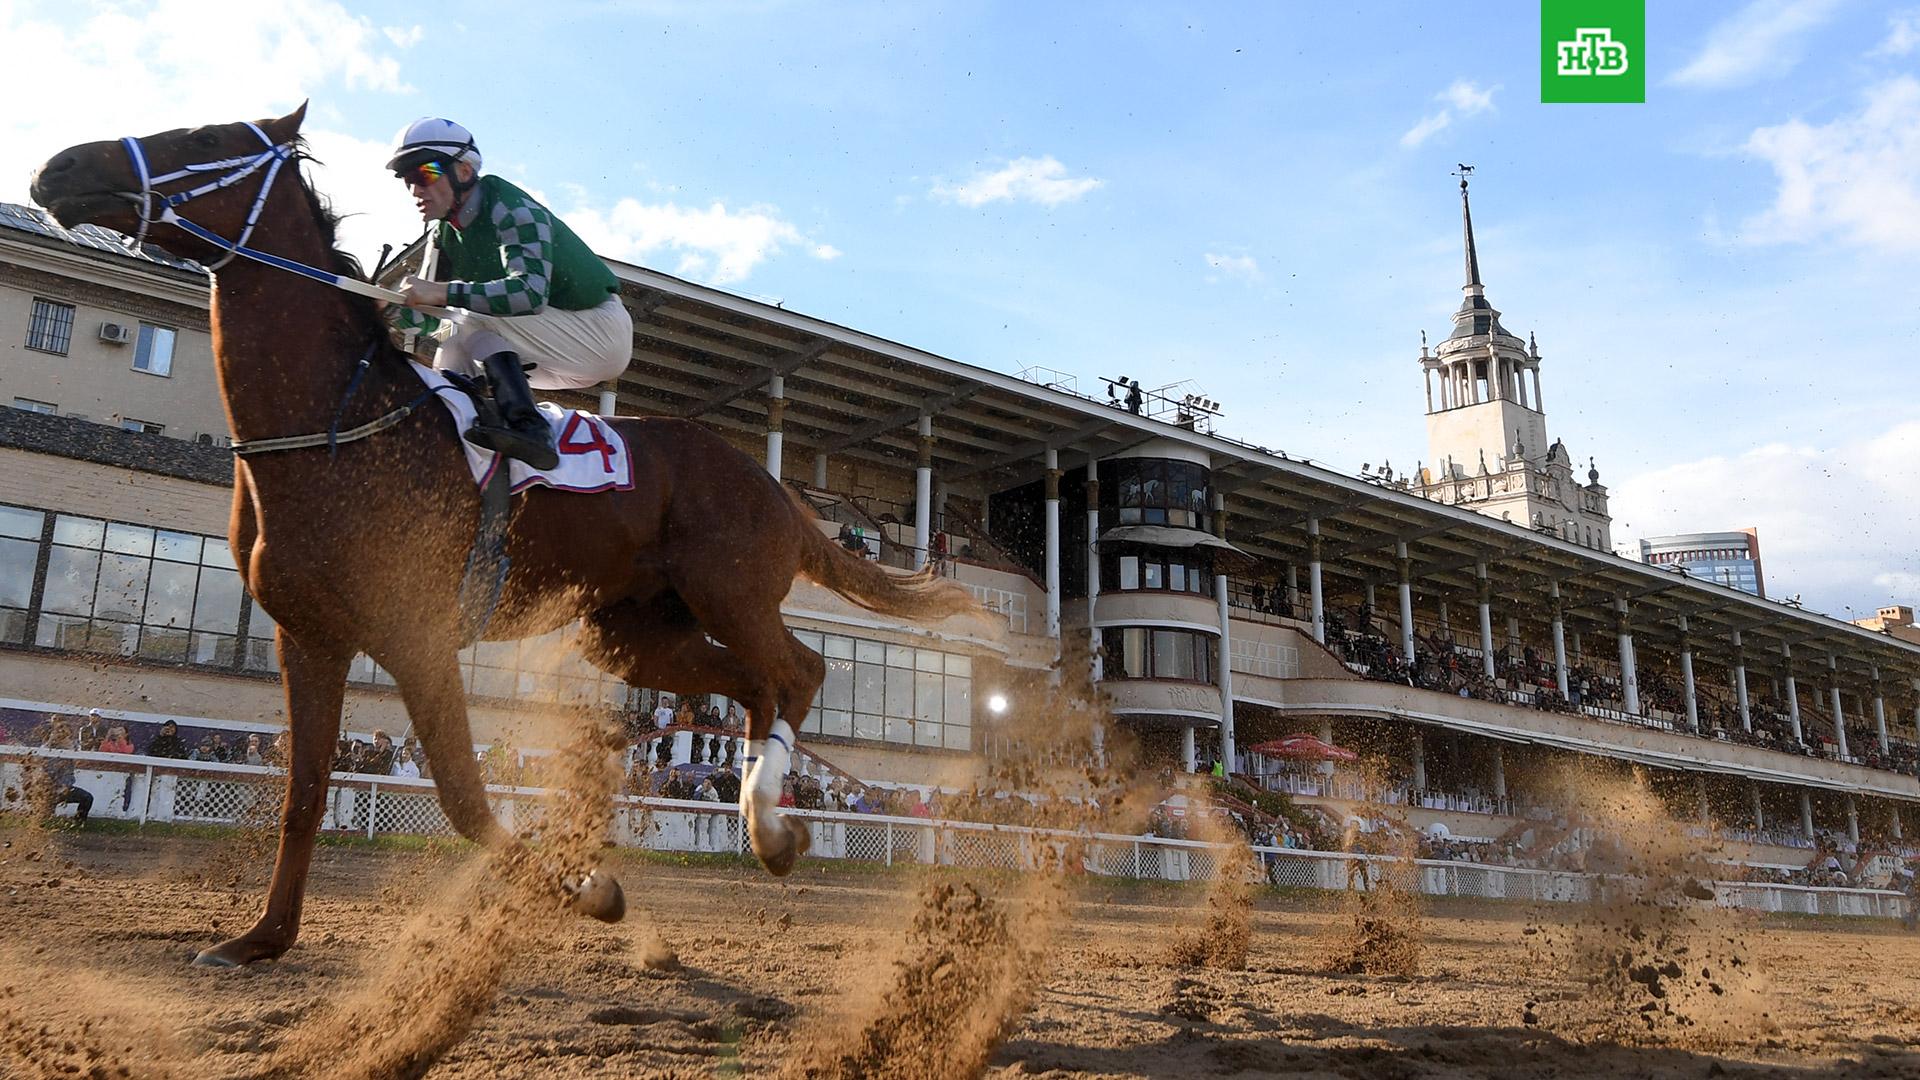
(520, 283)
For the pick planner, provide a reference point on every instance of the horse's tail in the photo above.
(922, 595)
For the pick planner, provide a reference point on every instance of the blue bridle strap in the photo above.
(232, 171)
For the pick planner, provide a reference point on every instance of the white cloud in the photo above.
(125, 71)
(1244, 267)
(405, 37)
(1760, 40)
(1461, 99)
(1037, 180)
(1797, 496)
(714, 244)
(1903, 35)
(1857, 176)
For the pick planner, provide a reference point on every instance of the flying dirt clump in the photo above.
(965, 979)
(1381, 933)
(1222, 942)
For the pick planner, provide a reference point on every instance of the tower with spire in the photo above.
(1487, 426)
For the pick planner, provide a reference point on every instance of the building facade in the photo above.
(1724, 558)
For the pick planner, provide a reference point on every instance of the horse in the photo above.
(358, 547)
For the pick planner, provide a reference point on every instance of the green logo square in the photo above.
(1593, 50)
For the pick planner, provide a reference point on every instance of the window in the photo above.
(128, 423)
(19, 552)
(1140, 653)
(891, 693)
(29, 405)
(51, 329)
(1156, 568)
(1154, 491)
(153, 353)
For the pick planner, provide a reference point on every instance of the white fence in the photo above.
(163, 790)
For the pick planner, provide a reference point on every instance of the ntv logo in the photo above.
(1592, 52)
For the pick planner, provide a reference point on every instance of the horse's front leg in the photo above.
(436, 702)
(777, 840)
(315, 677)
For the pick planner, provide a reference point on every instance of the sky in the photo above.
(1252, 197)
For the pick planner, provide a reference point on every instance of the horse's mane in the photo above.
(365, 316)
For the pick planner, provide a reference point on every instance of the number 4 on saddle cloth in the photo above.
(593, 457)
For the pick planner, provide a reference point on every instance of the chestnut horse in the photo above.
(363, 551)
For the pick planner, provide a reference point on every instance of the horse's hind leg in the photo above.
(316, 680)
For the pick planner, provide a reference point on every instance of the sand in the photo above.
(721, 970)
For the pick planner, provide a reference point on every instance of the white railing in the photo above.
(164, 790)
(1271, 659)
(1002, 601)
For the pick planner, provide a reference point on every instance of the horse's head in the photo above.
(125, 184)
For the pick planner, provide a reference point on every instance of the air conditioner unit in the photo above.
(117, 333)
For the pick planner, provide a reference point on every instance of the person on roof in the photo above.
(521, 285)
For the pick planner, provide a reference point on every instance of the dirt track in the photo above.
(93, 972)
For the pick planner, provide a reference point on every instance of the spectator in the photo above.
(205, 751)
(92, 730)
(116, 741)
(663, 714)
(252, 755)
(60, 779)
(221, 751)
(404, 766)
(379, 757)
(850, 539)
(167, 744)
(726, 783)
(707, 792)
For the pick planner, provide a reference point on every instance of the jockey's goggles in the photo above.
(425, 174)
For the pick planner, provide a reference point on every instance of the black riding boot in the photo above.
(519, 432)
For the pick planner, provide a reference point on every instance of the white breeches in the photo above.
(573, 350)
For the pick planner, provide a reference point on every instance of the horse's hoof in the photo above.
(780, 863)
(600, 896)
(233, 954)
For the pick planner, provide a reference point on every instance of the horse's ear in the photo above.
(288, 126)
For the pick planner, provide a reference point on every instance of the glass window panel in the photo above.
(838, 648)
(259, 623)
(113, 638)
(927, 697)
(129, 539)
(23, 524)
(217, 607)
(926, 733)
(1129, 515)
(837, 691)
(61, 632)
(1172, 655)
(899, 656)
(957, 736)
(959, 704)
(899, 692)
(1177, 578)
(13, 626)
(170, 594)
(1180, 517)
(121, 593)
(959, 665)
(869, 694)
(869, 652)
(261, 654)
(1129, 572)
(1153, 576)
(809, 638)
(71, 574)
(153, 350)
(836, 722)
(868, 726)
(78, 531)
(17, 559)
(899, 729)
(811, 725)
(216, 553)
(927, 660)
(1134, 652)
(489, 682)
(1154, 515)
(179, 547)
(164, 643)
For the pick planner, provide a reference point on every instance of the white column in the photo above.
(1559, 639)
(1429, 374)
(1293, 589)
(1740, 682)
(1226, 641)
(1894, 828)
(1793, 692)
(1499, 774)
(1806, 813)
(1419, 761)
(1759, 810)
(609, 398)
(1839, 718)
(1486, 619)
(1853, 820)
(1686, 677)
(1326, 736)
(1629, 677)
(1093, 565)
(923, 502)
(1406, 603)
(1879, 710)
(1313, 581)
(1053, 544)
(776, 419)
(1513, 634)
(1189, 753)
(820, 471)
(1446, 625)
(1916, 708)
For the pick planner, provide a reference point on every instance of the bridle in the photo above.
(232, 170)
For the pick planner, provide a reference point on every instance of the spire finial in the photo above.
(1466, 219)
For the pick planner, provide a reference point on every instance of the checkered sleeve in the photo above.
(408, 321)
(526, 250)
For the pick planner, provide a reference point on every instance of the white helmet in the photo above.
(432, 138)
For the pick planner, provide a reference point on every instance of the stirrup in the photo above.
(536, 451)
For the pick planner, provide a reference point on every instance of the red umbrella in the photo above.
(1305, 748)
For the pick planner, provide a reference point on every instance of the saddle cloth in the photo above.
(593, 455)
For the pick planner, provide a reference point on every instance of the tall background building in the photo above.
(1724, 558)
